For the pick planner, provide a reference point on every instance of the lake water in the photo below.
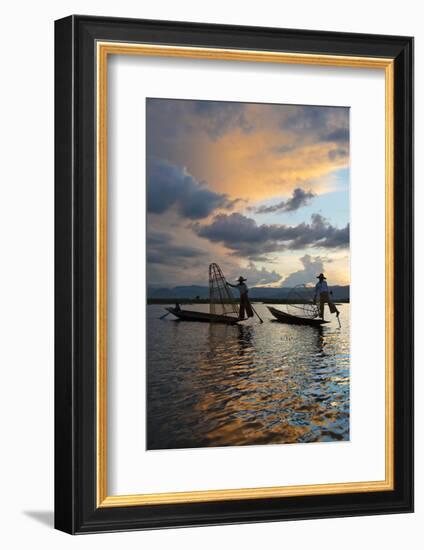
(211, 385)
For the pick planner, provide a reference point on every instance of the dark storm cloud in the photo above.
(220, 117)
(300, 198)
(170, 186)
(336, 238)
(338, 135)
(307, 117)
(320, 234)
(312, 124)
(244, 237)
(167, 119)
(161, 250)
(158, 239)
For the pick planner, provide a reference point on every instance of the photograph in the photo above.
(248, 273)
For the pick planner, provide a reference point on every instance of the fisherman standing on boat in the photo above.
(244, 297)
(322, 296)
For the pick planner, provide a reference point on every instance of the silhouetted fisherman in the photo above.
(244, 297)
(322, 295)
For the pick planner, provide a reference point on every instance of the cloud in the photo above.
(162, 250)
(320, 234)
(233, 145)
(299, 198)
(261, 152)
(170, 186)
(337, 135)
(329, 124)
(256, 276)
(220, 117)
(337, 154)
(312, 266)
(244, 237)
(213, 118)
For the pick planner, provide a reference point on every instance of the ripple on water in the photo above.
(253, 384)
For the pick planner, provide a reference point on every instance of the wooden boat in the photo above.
(202, 317)
(294, 320)
(222, 306)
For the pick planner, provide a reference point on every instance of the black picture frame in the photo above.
(76, 510)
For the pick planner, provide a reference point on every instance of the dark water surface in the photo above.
(214, 385)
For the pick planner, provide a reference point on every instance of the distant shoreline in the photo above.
(187, 301)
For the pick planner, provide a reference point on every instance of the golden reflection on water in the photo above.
(218, 385)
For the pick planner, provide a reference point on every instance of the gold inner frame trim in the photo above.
(103, 50)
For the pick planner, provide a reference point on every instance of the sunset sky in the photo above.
(263, 190)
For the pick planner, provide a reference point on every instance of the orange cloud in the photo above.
(249, 165)
(251, 151)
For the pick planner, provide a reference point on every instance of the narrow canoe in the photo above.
(202, 317)
(294, 320)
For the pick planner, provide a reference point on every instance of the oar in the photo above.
(166, 314)
(257, 315)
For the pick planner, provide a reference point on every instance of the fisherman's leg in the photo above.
(241, 313)
(321, 308)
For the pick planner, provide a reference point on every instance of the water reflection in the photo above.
(251, 384)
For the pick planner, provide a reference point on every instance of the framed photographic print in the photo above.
(234, 274)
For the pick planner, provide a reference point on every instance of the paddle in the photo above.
(337, 311)
(166, 314)
(257, 315)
